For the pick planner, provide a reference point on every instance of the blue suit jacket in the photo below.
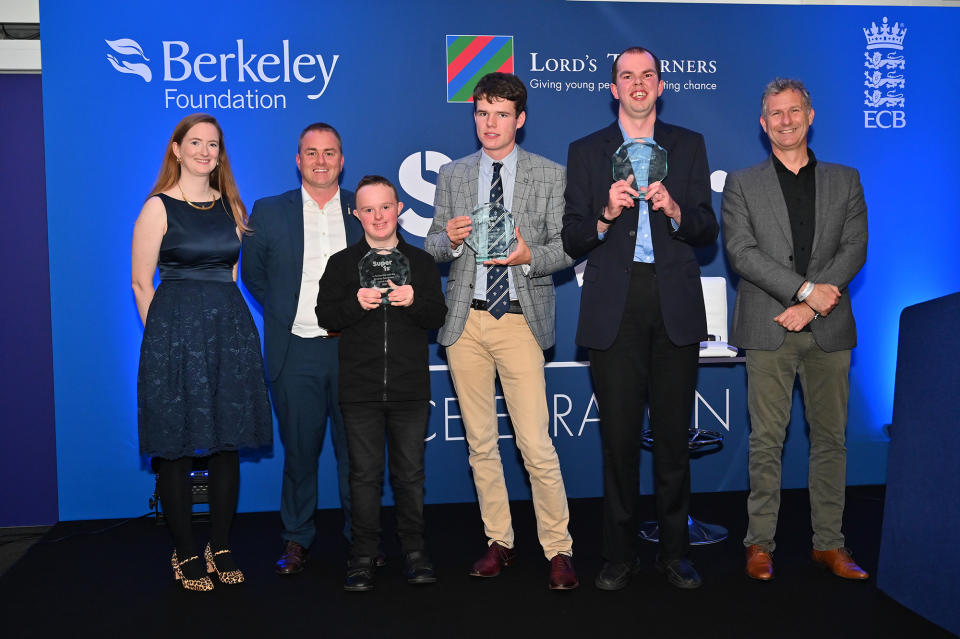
(272, 265)
(606, 277)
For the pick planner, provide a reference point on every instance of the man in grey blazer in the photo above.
(796, 233)
(501, 318)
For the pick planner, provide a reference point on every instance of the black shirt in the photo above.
(799, 192)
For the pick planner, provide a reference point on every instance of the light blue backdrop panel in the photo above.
(117, 78)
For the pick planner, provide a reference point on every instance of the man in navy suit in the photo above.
(292, 237)
(641, 312)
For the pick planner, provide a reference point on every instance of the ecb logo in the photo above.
(884, 76)
(129, 49)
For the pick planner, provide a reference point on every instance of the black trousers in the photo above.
(401, 426)
(644, 368)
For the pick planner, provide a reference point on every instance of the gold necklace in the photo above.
(196, 206)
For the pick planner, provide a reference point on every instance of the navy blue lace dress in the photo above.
(200, 388)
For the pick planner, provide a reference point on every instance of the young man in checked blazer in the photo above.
(501, 318)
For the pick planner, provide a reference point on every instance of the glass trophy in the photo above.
(492, 233)
(380, 266)
(642, 158)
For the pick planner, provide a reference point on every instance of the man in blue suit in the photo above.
(292, 237)
(641, 312)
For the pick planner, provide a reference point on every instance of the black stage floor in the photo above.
(118, 584)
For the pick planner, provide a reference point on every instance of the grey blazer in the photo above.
(537, 207)
(756, 230)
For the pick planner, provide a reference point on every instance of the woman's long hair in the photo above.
(221, 178)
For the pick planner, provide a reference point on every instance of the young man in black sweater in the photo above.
(384, 384)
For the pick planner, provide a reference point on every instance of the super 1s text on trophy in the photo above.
(384, 268)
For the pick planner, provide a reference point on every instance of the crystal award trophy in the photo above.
(380, 266)
(642, 158)
(492, 233)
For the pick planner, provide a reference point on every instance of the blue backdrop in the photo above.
(117, 78)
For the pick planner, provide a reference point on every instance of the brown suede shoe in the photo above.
(495, 559)
(759, 563)
(840, 563)
(562, 574)
(292, 560)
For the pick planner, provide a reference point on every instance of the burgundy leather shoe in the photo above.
(562, 574)
(759, 563)
(840, 563)
(292, 560)
(493, 561)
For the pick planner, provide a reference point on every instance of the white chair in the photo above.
(715, 305)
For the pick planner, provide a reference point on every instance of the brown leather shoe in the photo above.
(292, 560)
(496, 558)
(840, 563)
(759, 563)
(562, 574)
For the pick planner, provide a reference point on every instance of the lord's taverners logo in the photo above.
(470, 57)
(129, 49)
(884, 78)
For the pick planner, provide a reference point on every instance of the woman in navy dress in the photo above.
(200, 388)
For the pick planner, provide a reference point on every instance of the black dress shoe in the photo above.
(418, 568)
(615, 576)
(679, 572)
(360, 572)
(292, 560)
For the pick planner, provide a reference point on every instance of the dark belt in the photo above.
(330, 334)
(481, 305)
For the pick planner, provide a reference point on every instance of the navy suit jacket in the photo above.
(606, 277)
(271, 265)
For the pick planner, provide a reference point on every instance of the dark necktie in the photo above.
(498, 284)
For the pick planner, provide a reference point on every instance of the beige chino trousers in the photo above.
(506, 347)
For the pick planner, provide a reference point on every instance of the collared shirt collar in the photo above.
(623, 132)
(809, 166)
(308, 198)
(509, 162)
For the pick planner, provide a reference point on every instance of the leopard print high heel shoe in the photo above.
(203, 584)
(225, 576)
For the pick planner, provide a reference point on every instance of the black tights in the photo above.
(174, 488)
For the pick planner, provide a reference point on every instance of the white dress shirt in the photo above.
(323, 235)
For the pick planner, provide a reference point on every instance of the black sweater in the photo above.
(383, 352)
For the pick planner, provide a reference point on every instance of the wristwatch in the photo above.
(602, 217)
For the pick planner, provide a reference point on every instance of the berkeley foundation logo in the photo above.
(128, 47)
(226, 78)
(884, 76)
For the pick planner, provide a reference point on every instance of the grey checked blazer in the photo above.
(759, 243)
(537, 208)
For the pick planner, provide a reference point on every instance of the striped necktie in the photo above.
(498, 284)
